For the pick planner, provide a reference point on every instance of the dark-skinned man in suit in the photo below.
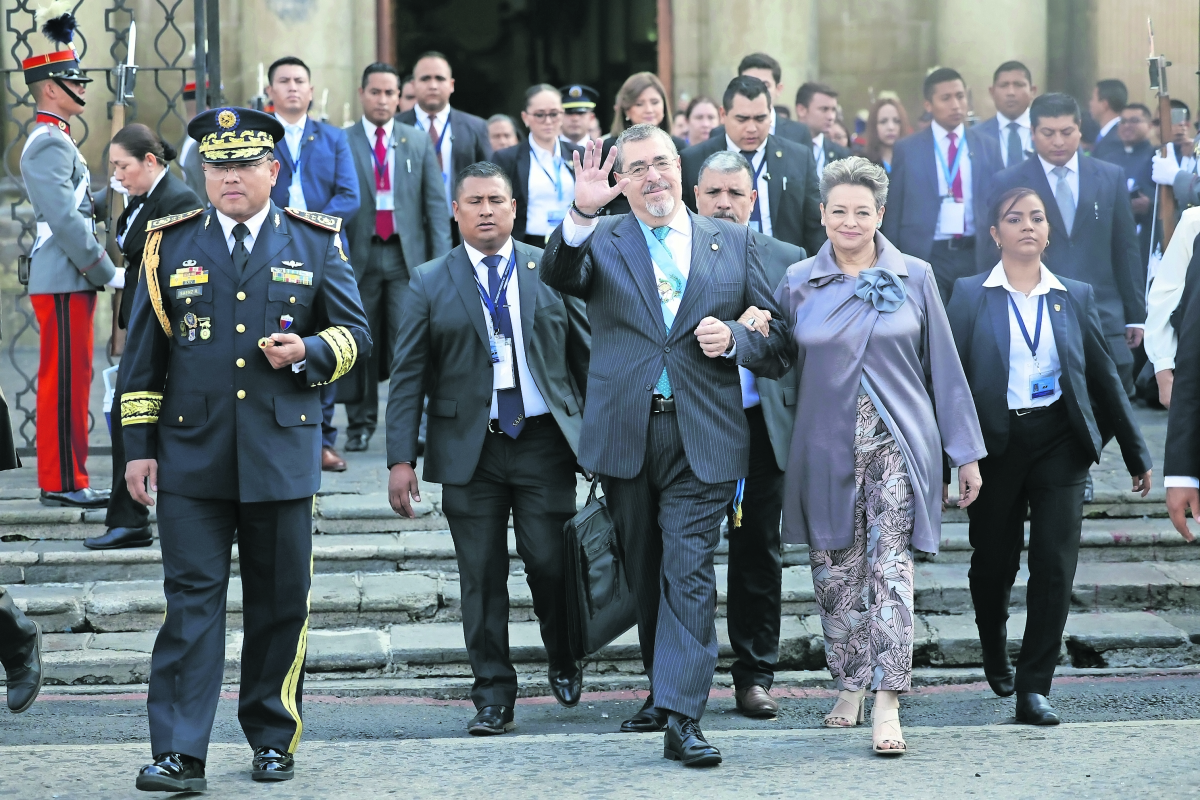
(664, 426)
(725, 190)
(788, 202)
(768, 70)
(503, 359)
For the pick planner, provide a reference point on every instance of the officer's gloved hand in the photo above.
(1163, 170)
(116, 186)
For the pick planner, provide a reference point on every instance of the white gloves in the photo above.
(118, 280)
(1164, 170)
(116, 186)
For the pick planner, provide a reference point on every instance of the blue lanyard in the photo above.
(380, 166)
(556, 179)
(1037, 331)
(493, 303)
(951, 172)
(442, 135)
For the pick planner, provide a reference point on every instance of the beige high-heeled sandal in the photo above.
(882, 719)
(856, 700)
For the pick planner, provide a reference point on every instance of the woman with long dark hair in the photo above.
(886, 124)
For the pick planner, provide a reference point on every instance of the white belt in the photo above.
(43, 234)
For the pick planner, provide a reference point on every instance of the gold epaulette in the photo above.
(171, 219)
(140, 407)
(150, 272)
(345, 350)
(326, 221)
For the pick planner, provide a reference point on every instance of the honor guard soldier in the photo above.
(242, 312)
(67, 266)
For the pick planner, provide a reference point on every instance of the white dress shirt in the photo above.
(547, 202)
(255, 224)
(293, 137)
(532, 399)
(1021, 363)
(1072, 179)
(1025, 131)
(941, 140)
(369, 128)
(441, 120)
(761, 185)
(133, 215)
(818, 149)
(1166, 290)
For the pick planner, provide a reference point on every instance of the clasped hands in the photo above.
(716, 338)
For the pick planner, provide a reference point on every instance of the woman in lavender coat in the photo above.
(863, 485)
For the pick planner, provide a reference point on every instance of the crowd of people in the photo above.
(742, 317)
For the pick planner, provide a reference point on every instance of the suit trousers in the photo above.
(1042, 469)
(668, 525)
(533, 477)
(952, 259)
(383, 287)
(753, 606)
(17, 632)
(123, 510)
(186, 668)
(64, 384)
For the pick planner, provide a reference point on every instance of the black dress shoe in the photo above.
(648, 720)
(684, 742)
(173, 772)
(491, 721)
(996, 667)
(272, 765)
(24, 680)
(1035, 709)
(80, 498)
(119, 538)
(357, 443)
(566, 685)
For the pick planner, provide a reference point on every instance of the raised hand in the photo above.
(592, 191)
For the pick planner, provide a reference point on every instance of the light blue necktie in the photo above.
(1066, 200)
(666, 263)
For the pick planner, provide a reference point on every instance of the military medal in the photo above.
(205, 327)
(285, 322)
(188, 326)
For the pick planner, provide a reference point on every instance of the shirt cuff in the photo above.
(299, 366)
(1140, 325)
(575, 234)
(732, 350)
(1181, 482)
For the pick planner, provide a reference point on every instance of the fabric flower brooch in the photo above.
(882, 288)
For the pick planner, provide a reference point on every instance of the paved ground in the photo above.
(1127, 737)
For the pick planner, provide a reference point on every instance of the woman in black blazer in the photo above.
(139, 158)
(1048, 395)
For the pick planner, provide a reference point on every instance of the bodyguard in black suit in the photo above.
(499, 441)
(664, 425)
(1093, 237)
(242, 313)
(788, 207)
(1044, 413)
(937, 212)
(725, 191)
(817, 108)
(140, 158)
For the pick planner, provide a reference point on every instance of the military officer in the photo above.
(243, 311)
(67, 266)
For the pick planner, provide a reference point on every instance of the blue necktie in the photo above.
(663, 386)
(756, 214)
(509, 407)
(1016, 150)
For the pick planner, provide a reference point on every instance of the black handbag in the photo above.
(600, 604)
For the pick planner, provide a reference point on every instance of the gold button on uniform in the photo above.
(241, 295)
(303, 418)
(241, 394)
(241, 362)
(188, 301)
(241, 328)
(291, 299)
(181, 419)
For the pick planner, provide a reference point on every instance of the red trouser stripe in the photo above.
(64, 383)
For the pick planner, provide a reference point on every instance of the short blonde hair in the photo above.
(855, 171)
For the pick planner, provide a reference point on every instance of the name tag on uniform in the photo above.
(189, 276)
(952, 220)
(1041, 384)
(189, 291)
(301, 277)
(385, 201)
(503, 364)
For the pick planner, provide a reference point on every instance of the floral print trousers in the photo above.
(865, 592)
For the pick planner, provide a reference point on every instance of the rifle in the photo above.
(116, 201)
(1158, 82)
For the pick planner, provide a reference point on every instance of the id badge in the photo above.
(555, 218)
(385, 200)
(1041, 384)
(952, 221)
(503, 365)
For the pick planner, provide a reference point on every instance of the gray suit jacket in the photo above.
(613, 272)
(443, 353)
(417, 188)
(191, 170)
(68, 257)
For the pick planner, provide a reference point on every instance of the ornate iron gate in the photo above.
(157, 102)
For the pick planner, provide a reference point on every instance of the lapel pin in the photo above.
(531, 265)
(715, 246)
(403, 139)
(779, 154)
(1057, 307)
(276, 220)
(207, 220)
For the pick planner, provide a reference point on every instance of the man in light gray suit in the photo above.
(664, 426)
(404, 227)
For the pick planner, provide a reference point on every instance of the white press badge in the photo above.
(385, 200)
(503, 364)
(952, 219)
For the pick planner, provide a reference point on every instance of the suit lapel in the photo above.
(527, 283)
(706, 241)
(272, 238)
(929, 165)
(1087, 194)
(362, 148)
(997, 304)
(774, 175)
(1036, 176)
(462, 275)
(522, 187)
(631, 244)
(211, 239)
(1062, 323)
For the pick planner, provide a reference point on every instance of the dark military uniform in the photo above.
(238, 445)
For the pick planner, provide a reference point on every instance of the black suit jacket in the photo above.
(443, 353)
(1091, 389)
(833, 150)
(515, 162)
(784, 128)
(914, 203)
(171, 196)
(613, 272)
(793, 188)
(1102, 248)
(1183, 417)
(469, 141)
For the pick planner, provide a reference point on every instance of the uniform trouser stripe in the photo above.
(290, 694)
(64, 383)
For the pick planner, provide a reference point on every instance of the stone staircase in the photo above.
(385, 600)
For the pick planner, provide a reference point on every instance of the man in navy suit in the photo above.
(316, 173)
(817, 107)
(1093, 237)
(1012, 91)
(666, 291)
(768, 70)
(940, 184)
(1108, 100)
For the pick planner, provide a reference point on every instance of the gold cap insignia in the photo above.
(227, 119)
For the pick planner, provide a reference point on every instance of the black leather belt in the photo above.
(1022, 412)
(662, 405)
(961, 243)
(530, 422)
